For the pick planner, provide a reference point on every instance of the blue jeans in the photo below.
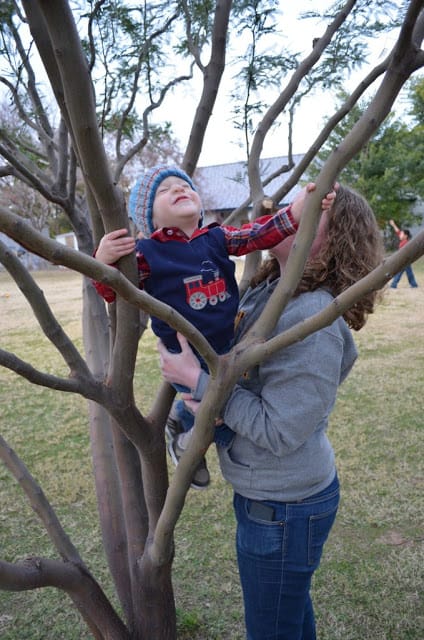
(279, 546)
(410, 276)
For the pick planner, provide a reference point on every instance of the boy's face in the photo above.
(176, 205)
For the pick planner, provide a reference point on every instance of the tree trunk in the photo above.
(155, 607)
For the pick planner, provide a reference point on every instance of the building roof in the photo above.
(226, 186)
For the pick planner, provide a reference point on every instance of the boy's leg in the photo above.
(185, 417)
(396, 279)
(176, 447)
(173, 423)
(179, 426)
(411, 277)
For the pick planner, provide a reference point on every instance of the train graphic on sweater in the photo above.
(200, 291)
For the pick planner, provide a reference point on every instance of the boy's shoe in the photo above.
(173, 423)
(176, 447)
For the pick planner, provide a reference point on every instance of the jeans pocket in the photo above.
(319, 529)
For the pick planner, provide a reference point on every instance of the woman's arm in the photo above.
(279, 404)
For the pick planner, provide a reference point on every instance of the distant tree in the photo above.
(416, 97)
(389, 169)
(108, 80)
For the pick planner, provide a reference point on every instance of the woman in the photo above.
(280, 462)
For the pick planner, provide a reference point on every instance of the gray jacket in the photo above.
(280, 408)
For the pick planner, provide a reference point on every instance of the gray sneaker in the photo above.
(176, 447)
(173, 426)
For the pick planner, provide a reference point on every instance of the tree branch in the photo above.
(57, 253)
(212, 75)
(34, 573)
(133, 95)
(28, 171)
(328, 128)
(403, 61)
(40, 504)
(275, 110)
(48, 323)
(27, 371)
(81, 109)
(344, 301)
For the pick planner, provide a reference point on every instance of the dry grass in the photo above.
(370, 581)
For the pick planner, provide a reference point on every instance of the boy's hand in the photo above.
(299, 201)
(115, 245)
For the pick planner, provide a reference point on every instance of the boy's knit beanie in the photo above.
(140, 204)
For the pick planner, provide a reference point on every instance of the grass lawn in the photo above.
(370, 584)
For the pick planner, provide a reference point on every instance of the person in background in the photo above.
(189, 267)
(281, 463)
(404, 236)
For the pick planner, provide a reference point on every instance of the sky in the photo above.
(220, 145)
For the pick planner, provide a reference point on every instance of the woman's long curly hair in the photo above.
(352, 247)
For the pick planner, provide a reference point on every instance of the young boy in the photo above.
(186, 266)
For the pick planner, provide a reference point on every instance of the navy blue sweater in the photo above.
(197, 278)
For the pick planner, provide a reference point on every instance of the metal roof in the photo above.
(226, 186)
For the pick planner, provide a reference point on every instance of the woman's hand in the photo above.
(181, 368)
(115, 245)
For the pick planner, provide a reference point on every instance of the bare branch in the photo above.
(30, 173)
(21, 111)
(192, 46)
(124, 159)
(344, 301)
(76, 83)
(211, 80)
(27, 371)
(40, 504)
(154, 104)
(403, 61)
(8, 170)
(91, 19)
(88, 597)
(48, 323)
(41, 124)
(34, 573)
(57, 253)
(275, 110)
(329, 127)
